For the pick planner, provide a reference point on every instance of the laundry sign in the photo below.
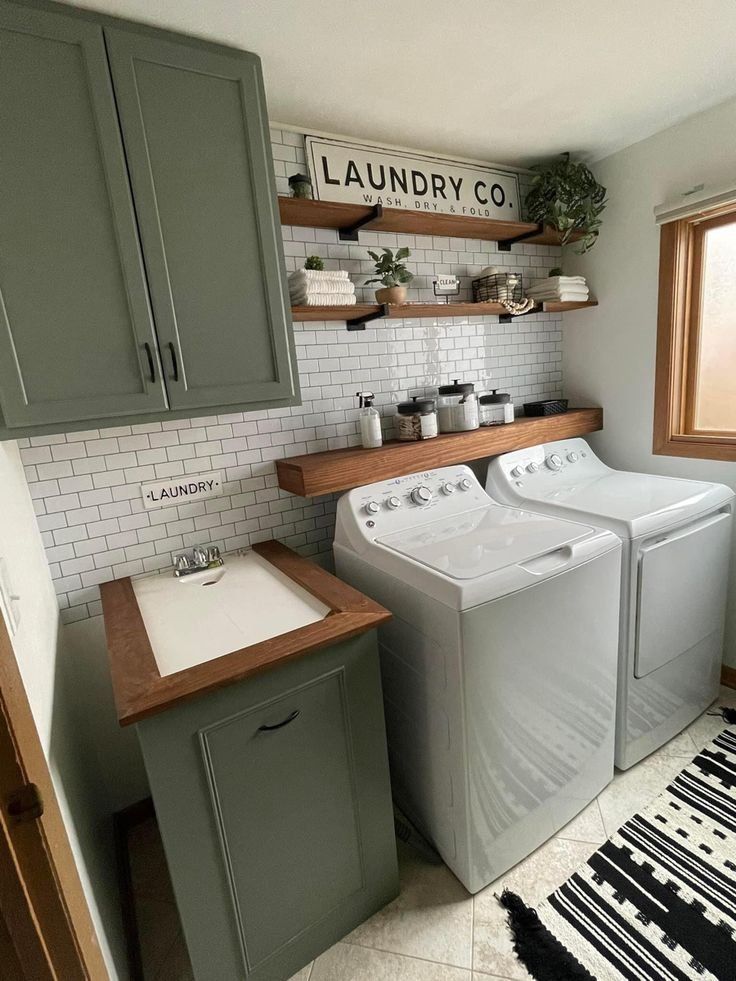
(357, 173)
(181, 490)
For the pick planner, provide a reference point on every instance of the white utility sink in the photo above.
(200, 617)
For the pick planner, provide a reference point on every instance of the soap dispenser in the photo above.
(370, 422)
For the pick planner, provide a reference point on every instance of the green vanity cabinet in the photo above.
(141, 268)
(273, 800)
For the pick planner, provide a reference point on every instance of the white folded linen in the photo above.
(343, 286)
(561, 281)
(318, 275)
(564, 296)
(326, 300)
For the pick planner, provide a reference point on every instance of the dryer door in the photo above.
(682, 591)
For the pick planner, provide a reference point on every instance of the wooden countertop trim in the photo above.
(140, 691)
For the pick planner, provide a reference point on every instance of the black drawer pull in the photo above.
(149, 355)
(280, 725)
(174, 362)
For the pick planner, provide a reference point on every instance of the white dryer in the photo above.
(677, 538)
(499, 666)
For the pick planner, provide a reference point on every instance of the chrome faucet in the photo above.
(201, 557)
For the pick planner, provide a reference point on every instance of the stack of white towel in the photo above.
(563, 288)
(321, 288)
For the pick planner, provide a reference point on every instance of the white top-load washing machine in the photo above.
(677, 538)
(499, 666)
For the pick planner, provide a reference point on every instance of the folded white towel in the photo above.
(561, 280)
(556, 287)
(556, 294)
(319, 275)
(563, 297)
(326, 300)
(343, 286)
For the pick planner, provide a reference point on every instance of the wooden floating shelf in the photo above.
(339, 470)
(411, 311)
(346, 218)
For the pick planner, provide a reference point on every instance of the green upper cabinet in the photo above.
(141, 267)
(196, 136)
(76, 332)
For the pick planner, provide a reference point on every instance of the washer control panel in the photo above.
(406, 502)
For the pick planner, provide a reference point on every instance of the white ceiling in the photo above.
(509, 81)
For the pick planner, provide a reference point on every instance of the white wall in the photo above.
(58, 683)
(609, 352)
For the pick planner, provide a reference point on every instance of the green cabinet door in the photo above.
(76, 334)
(196, 136)
(274, 805)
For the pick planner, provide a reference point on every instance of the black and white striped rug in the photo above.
(657, 902)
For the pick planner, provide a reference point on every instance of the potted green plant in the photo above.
(566, 196)
(314, 262)
(392, 274)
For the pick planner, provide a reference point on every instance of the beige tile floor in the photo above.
(434, 930)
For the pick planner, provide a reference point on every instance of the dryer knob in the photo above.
(572, 457)
(554, 461)
(517, 472)
(421, 495)
(448, 489)
(393, 503)
(532, 467)
(371, 508)
(464, 484)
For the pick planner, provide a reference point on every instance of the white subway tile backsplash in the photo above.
(86, 486)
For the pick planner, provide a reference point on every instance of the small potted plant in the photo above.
(566, 196)
(314, 262)
(392, 274)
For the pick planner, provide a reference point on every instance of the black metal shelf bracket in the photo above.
(358, 323)
(506, 245)
(350, 232)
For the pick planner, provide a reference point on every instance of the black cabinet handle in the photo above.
(174, 362)
(149, 355)
(280, 725)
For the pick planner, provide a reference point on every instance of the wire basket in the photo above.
(498, 287)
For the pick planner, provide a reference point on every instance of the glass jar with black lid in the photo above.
(457, 406)
(416, 419)
(496, 408)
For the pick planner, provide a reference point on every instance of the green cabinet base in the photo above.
(274, 804)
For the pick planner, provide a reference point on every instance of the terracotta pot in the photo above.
(391, 294)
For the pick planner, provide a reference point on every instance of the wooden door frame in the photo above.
(42, 902)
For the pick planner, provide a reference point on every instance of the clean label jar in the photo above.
(457, 407)
(416, 419)
(496, 408)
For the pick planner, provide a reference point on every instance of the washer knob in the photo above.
(517, 472)
(532, 467)
(464, 484)
(392, 503)
(371, 508)
(572, 457)
(554, 461)
(448, 488)
(421, 495)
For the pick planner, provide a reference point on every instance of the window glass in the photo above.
(714, 406)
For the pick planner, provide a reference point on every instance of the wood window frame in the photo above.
(678, 329)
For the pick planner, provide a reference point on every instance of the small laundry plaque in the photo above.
(181, 490)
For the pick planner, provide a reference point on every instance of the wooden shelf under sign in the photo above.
(362, 312)
(339, 470)
(348, 218)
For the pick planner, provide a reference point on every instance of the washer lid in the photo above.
(483, 541)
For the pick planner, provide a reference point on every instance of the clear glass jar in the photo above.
(496, 408)
(416, 419)
(457, 407)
